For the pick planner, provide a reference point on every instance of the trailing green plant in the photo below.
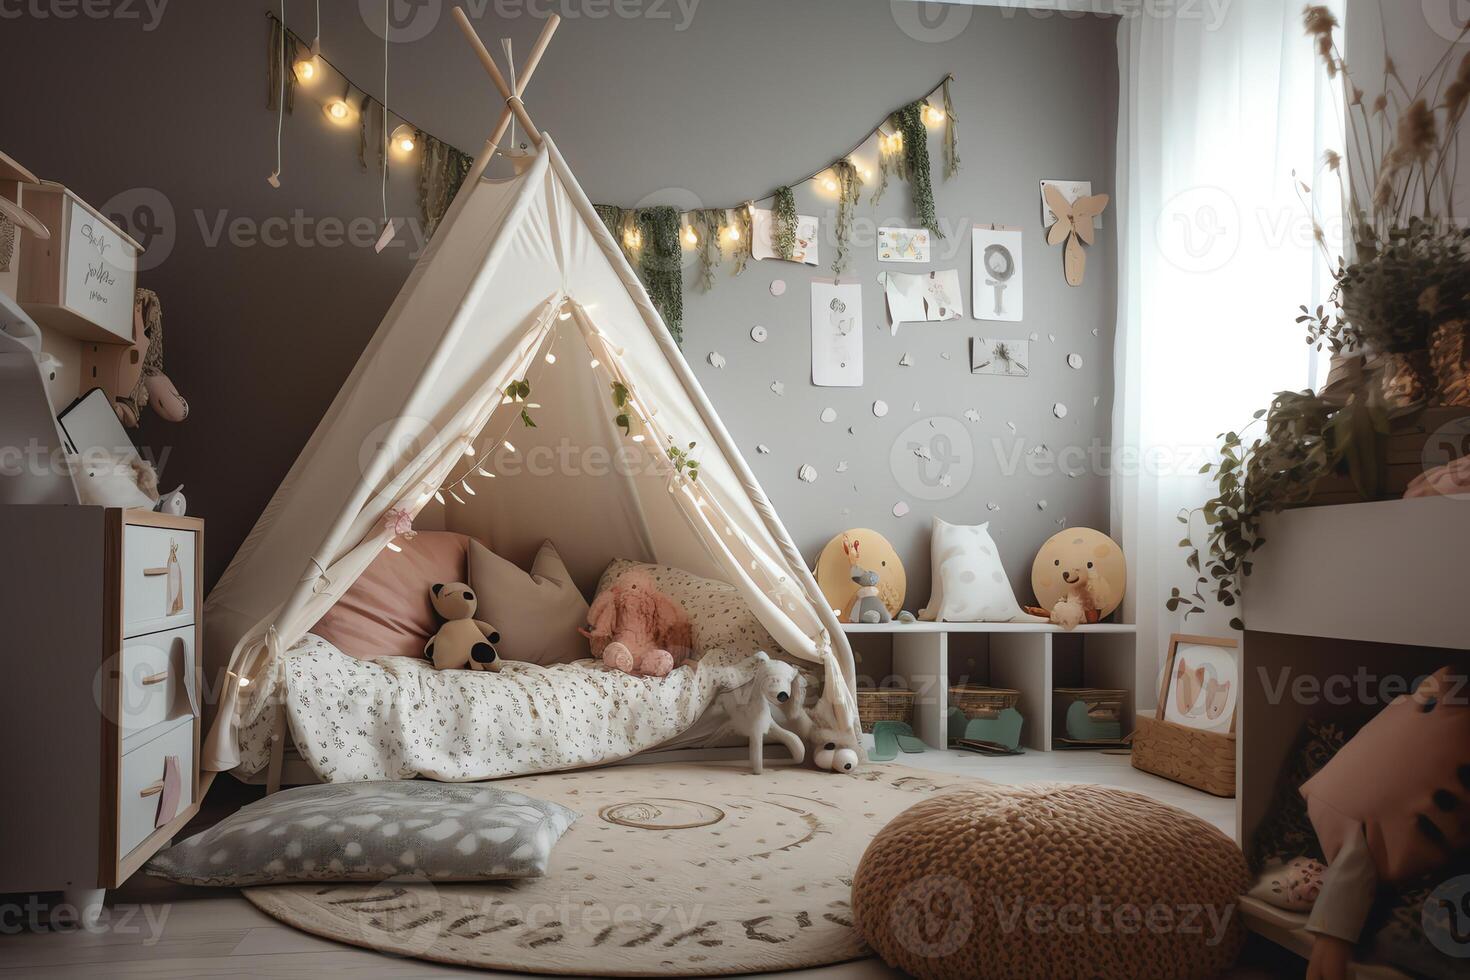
(783, 223)
(849, 189)
(663, 265)
(623, 420)
(684, 463)
(709, 226)
(1415, 280)
(741, 248)
(915, 170)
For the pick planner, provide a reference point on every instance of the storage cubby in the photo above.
(1031, 658)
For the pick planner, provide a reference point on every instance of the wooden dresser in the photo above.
(100, 630)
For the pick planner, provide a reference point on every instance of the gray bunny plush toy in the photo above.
(867, 606)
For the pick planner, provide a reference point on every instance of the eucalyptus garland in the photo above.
(783, 223)
(849, 189)
(709, 226)
(916, 164)
(662, 265)
(742, 247)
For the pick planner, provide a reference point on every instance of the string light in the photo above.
(638, 438)
(338, 110)
(633, 238)
(306, 69)
(469, 448)
(594, 364)
(565, 315)
(509, 446)
(733, 234)
(465, 486)
(439, 496)
(550, 358)
(403, 138)
(690, 238)
(457, 498)
(933, 115)
(484, 472)
(829, 185)
(394, 547)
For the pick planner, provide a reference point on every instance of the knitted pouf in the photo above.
(1050, 881)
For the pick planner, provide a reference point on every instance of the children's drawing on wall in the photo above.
(762, 227)
(905, 296)
(837, 334)
(923, 297)
(903, 244)
(942, 297)
(997, 273)
(1004, 358)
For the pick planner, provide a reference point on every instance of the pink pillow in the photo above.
(1403, 782)
(387, 613)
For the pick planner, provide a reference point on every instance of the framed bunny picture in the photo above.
(1201, 686)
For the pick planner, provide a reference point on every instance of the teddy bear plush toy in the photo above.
(463, 641)
(637, 629)
(1078, 603)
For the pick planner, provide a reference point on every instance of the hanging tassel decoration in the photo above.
(783, 224)
(951, 133)
(849, 189)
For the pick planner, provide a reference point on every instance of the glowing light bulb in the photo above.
(690, 237)
(484, 472)
(244, 682)
(733, 234)
(457, 498)
(565, 315)
(867, 173)
(933, 115)
(533, 404)
(465, 486)
(394, 547)
(306, 69)
(509, 446)
(550, 358)
(638, 438)
(469, 449)
(594, 364)
(406, 144)
(830, 185)
(338, 109)
(633, 239)
(439, 496)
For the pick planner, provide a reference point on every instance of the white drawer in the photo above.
(142, 774)
(154, 678)
(157, 579)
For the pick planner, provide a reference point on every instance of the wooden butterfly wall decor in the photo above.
(1074, 226)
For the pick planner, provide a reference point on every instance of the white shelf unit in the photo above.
(1031, 658)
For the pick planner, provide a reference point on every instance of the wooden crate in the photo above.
(885, 704)
(81, 281)
(1204, 760)
(982, 702)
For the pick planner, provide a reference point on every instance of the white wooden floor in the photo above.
(185, 933)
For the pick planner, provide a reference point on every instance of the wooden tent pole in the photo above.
(512, 99)
(526, 72)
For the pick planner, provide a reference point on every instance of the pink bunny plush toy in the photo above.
(637, 629)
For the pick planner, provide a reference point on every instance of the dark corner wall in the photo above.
(161, 114)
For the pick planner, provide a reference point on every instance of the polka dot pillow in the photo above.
(370, 831)
(719, 617)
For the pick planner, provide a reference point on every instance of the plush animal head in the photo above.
(637, 580)
(779, 682)
(862, 576)
(455, 600)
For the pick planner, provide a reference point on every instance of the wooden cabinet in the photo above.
(100, 712)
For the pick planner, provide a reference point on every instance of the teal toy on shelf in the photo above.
(1000, 735)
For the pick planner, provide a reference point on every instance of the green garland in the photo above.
(709, 226)
(849, 189)
(744, 226)
(915, 167)
(783, 224)
(663, 266)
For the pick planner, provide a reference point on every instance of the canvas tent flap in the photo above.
(520, 269)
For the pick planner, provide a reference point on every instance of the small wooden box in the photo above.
(81, 281)
(1204, 760)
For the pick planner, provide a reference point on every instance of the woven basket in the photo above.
(982, 702)
(1204, 760)
(885, 704)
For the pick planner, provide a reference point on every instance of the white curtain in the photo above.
(1217, 253)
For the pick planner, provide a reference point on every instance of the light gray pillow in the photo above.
(536, 614)
(370, 831)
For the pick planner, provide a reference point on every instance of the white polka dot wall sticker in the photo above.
(842, 466)
(778, 387)
(992, 506)
(716, 360)
(1074, 361)
(763, 449)
(906, 360)
(971, 415)
(916, 407)
(945, 355)
(880, 408)
(1095, 400)
(807, 474)
(900, 509)
(759, 334)
(829, 415)
(1041, 505)
(1035, 337)
(1094, 331)
(1011, 426)
(778, 287)
(1059, 410)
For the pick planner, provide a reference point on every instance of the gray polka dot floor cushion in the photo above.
(371, 831)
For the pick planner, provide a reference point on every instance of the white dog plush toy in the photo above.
(753, 706)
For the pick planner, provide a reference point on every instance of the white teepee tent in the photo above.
(522, 281)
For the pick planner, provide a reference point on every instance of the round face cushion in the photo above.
(1050, 881)
(834, 569)
(1071, 551)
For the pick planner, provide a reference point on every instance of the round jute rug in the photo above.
(696, 870)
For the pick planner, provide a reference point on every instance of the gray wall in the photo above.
(747, 95)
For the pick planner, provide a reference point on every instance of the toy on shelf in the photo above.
(866, 604)
(1079, 575)
(835, 573)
